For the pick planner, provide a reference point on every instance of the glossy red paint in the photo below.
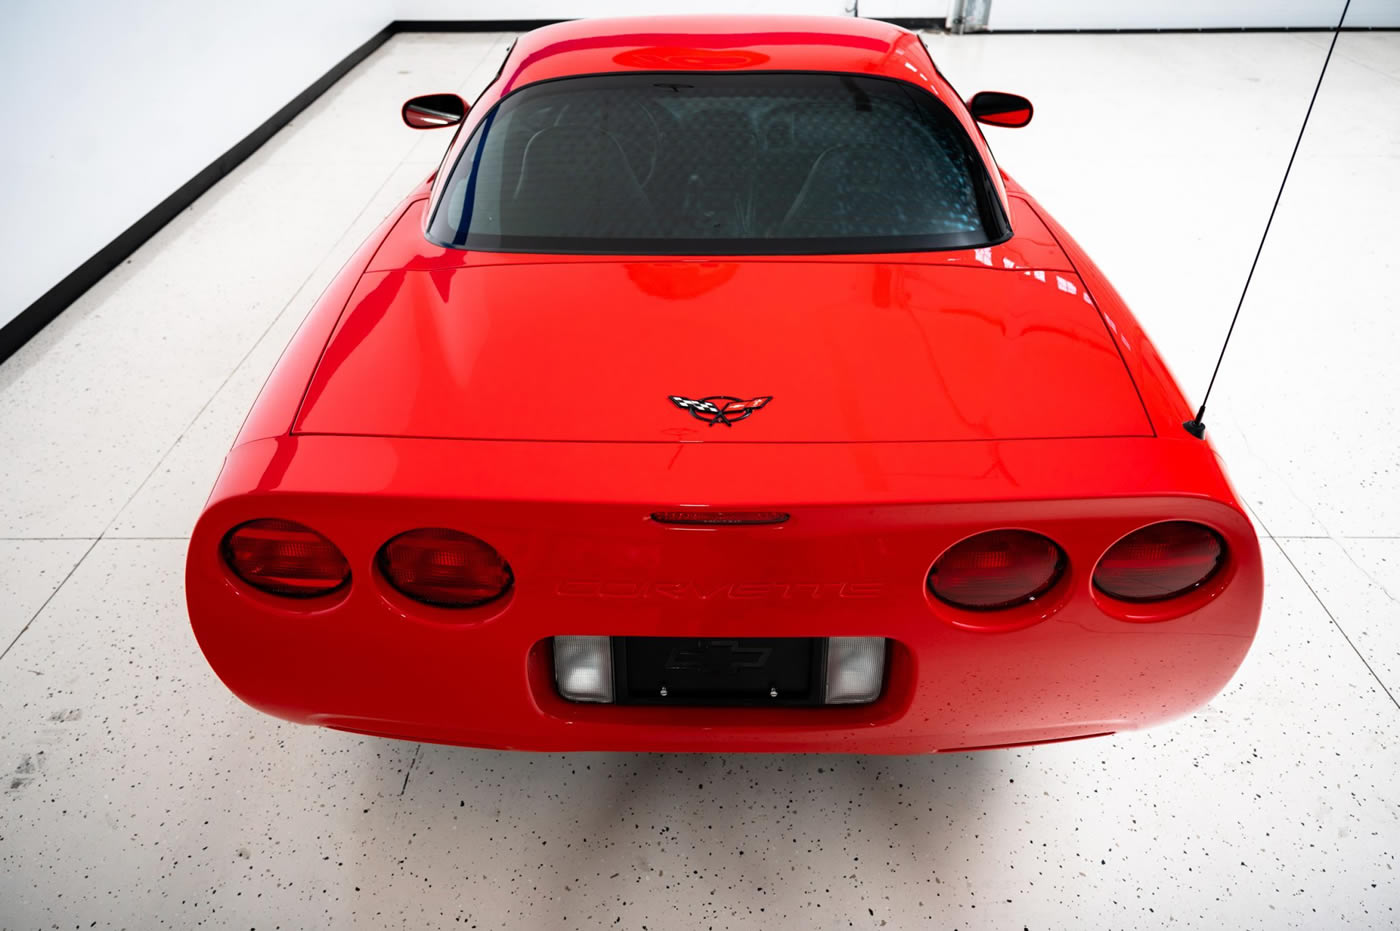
(849, 351)
(918, 399)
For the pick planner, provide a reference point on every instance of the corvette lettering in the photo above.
(719, 408)
(719, 591)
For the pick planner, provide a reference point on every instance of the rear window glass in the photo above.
(725, 164)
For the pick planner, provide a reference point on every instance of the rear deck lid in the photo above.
(612, 351)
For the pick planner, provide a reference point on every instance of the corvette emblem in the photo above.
(719, 408)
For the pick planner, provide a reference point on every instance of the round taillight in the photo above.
(997, 569)
(443, 567)
(285, 558)
(1160, 561)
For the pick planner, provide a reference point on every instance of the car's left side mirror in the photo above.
(997, 109)
(434, 110)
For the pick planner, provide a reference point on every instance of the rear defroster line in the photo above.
(1196, 426)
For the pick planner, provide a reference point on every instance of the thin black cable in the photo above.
(1196, 426)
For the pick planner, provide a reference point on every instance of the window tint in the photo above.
(675, 163)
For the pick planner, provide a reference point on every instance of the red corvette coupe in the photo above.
(720, 392)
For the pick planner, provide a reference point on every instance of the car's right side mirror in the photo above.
(997, 109)
(432, 111)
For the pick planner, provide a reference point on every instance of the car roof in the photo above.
(719, 43)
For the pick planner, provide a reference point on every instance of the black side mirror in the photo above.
(432, 111)
(997, 109)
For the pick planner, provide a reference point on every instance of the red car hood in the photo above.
(847, 352)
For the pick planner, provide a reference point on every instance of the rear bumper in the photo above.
(365, 659)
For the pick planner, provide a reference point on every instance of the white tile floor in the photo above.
(136, 792)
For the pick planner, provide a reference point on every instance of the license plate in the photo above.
(718, 671)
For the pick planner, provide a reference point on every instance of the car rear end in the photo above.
(744, 407)
(784, 615)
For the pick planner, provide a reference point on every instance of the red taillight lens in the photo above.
(285, 558)
(1159, 562)
(445, 568)
(998, 569)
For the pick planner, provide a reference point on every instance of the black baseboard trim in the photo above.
(471, 25)
(937, 24)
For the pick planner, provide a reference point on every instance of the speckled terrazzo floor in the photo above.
(136, 792)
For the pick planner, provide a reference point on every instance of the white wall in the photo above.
(1186, 14)
(109, 107)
